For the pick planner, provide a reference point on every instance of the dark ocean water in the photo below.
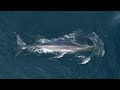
(53, 24)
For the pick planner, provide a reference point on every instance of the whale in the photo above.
(97, 48)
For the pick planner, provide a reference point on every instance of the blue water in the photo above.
(54, 24)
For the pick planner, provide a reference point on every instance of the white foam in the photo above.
(84, 59)
(103, 53)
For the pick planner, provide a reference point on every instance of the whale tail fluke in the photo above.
(21, 45)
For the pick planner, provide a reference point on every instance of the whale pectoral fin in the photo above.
(60, 55)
